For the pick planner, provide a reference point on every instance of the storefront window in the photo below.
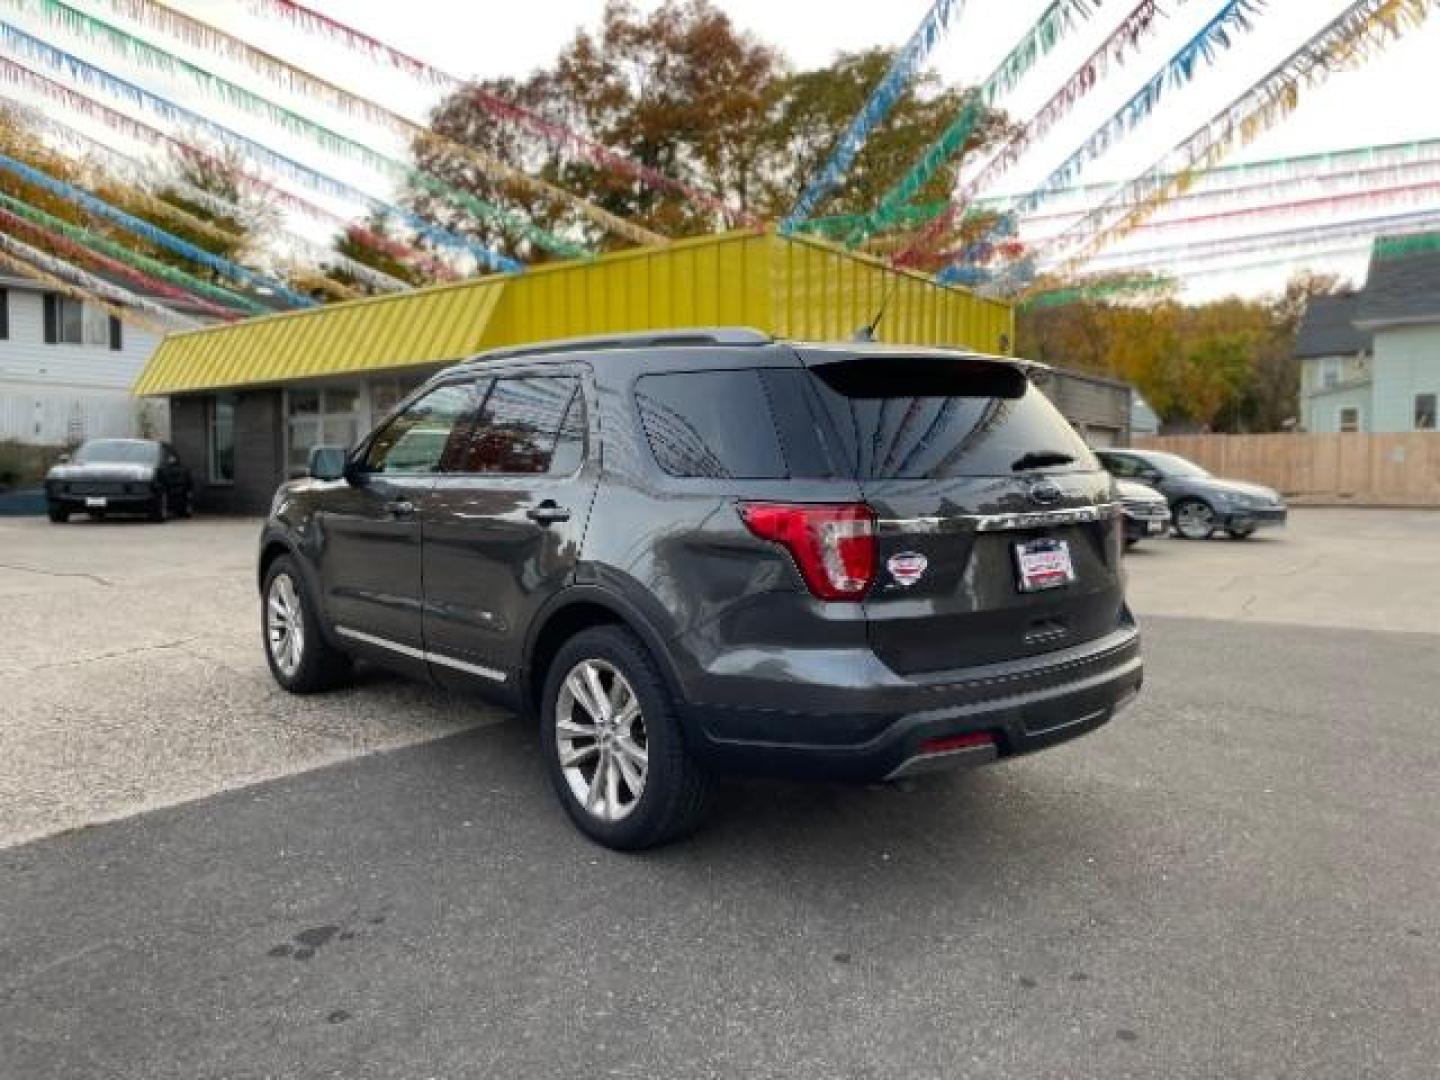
(222, 439)
(322, 416)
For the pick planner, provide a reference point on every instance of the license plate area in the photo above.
(1043, 564)
(95, 501)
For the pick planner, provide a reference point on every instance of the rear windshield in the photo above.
(939, 417)
(870, 418)
(118, 451)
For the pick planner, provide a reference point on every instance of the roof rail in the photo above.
(645, 339)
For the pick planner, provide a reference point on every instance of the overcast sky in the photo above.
(1388, 101)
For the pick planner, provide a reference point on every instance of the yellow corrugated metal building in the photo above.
(249, 400)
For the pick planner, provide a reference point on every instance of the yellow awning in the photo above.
(787, 286)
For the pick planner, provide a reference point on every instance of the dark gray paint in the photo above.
(768, 676)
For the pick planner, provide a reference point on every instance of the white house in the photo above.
(66, 369)
(1370, 360)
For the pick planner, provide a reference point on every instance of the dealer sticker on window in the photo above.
(1044, 564)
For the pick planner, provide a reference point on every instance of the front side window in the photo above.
(1425, 412)
(222, 439)
(416, 440)
(530, 424)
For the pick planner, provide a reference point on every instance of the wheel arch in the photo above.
(580, 608)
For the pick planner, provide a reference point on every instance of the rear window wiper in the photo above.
(1040, 459)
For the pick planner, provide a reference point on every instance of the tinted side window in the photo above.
(529, 424)
(1120, 464)
(415, 441)
(713, 424)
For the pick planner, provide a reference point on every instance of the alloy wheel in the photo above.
(1194, 520)
(285, 625)
(600, 737)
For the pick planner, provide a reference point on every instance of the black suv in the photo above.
(710, 551)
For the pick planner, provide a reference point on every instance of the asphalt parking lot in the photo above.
(1236, 879)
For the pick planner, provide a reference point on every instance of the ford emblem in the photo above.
(1045, 492)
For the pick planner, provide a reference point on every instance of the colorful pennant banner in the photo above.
(297, 80)
(121, 268)
(1364, 229)
(57, 284)
(556, 135)
(1362, 29)
(876, 108)
(152, 267)
(87, 106)
(1282, 193)
(1037, 41)
(138, 51)
(153, 233)
(1121, 43)
(1275, 170)
(1104, 289)
(90, 74)
(83, 279)
(1215, 35)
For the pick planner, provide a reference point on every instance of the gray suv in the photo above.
(707, 552)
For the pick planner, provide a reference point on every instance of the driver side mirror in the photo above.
(63, 459)
(328, 463)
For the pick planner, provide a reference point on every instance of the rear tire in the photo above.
(300, 658)
(635, 741)
(57, 513)
(1243, 533)
(187, 504)
(1194, 519)
(160, 506)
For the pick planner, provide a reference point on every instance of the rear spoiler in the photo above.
(869, 372)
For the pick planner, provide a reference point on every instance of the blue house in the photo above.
(1370, 360)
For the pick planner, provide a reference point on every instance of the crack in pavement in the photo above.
(179, 643)
(58, 573)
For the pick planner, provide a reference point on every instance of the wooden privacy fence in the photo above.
(1400, 469)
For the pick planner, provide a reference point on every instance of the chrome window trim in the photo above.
(421, 654)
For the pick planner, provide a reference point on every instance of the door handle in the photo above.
(399, 508)
(547, 513)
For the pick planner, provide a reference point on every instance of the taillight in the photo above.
(833, 545)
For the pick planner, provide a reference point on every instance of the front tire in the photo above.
(1242, 533)
(57, 513)
(613, 743)
(160, 506)
(300, 658)
(1195, 520)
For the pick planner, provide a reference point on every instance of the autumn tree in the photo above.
(1227, 365)
(683, 91)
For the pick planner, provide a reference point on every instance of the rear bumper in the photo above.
(1022, 706)
(1147, 521)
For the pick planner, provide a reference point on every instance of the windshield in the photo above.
(1174, 465)
(118, 451)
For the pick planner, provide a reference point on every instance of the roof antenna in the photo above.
(866, 333)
